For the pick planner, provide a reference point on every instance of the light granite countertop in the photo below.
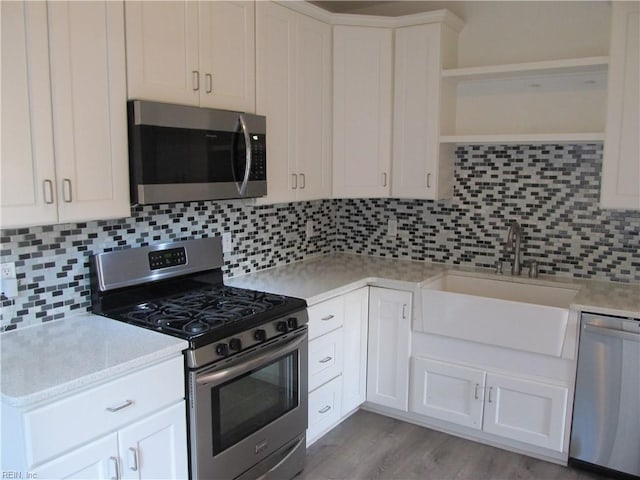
(53, 359)
(323, 277)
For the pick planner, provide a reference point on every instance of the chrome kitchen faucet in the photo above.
(514, 237)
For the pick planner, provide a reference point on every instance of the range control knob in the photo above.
(292, 323)
(222, 349)
(282, 327)
(260, 335)
(235, 344)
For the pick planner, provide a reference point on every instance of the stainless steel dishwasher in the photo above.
(606, 414)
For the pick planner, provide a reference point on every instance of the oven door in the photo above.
(244, 411)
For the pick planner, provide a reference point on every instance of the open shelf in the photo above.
(525, 138)
(549, 67)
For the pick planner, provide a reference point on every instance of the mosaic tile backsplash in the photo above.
(551, 190)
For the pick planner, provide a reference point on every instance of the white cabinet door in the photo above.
(294, 92)
(621, 164)
(96, 460)
(388, 347)
(418, 169)
(28, 180)
(162, 51)
(88, 78)
(227, 55)
(527, 411)
(449, 392)
(324, 409)
(362, 111)
(275, 95)
(313, 108)
(355, 332)
(156, 446)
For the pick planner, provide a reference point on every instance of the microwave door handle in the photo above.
(247, 167)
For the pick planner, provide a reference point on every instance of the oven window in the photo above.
(247, 403)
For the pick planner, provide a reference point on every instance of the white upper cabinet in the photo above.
(192, 53)
(621, 164)
(65, 159)
(362, 72)
(294, 93)
(28, 168)
(419, 171)
(89, 109)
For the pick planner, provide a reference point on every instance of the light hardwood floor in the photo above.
(371, 446)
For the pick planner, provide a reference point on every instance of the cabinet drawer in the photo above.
(325, 316)
(62, 425)
(324, 408)
(325, 358)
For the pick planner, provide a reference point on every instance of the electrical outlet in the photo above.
(392, 228)
(8, 270)
(227, 242)
(309, 229)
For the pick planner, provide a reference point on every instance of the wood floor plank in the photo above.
(368, 446)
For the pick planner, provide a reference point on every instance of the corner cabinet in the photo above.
(294, 92)
(64, 124)
(362, 72)
(192, 53)
(621, 163)
(420, 170)
(389, 347)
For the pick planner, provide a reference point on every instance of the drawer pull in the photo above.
(328, 317)
(125, 404)
(326, 359)
(325, 409)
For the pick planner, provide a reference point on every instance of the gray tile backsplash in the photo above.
(552, 190)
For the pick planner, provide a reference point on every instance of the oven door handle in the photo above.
(247, 365)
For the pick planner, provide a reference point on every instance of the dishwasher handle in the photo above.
(612, 332)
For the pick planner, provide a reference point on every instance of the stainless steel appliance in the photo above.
(179, 153)
(246, 365)
(606, 415)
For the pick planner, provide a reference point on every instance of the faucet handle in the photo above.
(533, 269)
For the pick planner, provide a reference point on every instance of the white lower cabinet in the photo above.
(132, 427)
(337, 360)
(388, 347)
(152, 448)
(527, 411)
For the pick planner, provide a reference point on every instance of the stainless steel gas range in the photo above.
(246, 365)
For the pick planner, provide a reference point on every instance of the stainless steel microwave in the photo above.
(180, 154)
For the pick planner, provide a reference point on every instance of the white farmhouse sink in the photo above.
(522, 316)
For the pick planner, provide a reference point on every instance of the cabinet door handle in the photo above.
(67, 192)
(428, 180)
(196, 80)
(116, 468)
(490, 389)
(133, 459)
(404, 311)
(125, 404)
(384, 179)
(294, 181)
(326, 359)
(303, 182)
(325, 409)
(47, 191)
(475, 395)
(209, 79)
(327, 318)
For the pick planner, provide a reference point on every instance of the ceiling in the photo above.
(389, 8)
